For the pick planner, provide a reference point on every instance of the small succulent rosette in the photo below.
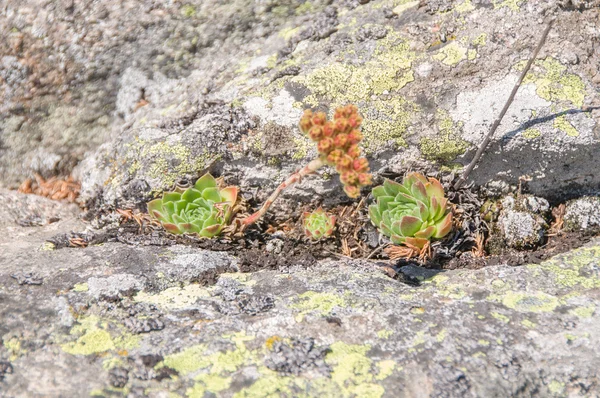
(318, 224)
(203, 209)
(413, 212)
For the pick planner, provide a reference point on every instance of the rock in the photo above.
(32, 210)
(521, 221)
(582, 214)
(226, 93)
(114, 286)
(521, 230)
(338, 328)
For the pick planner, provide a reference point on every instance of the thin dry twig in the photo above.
(488, 137)
(559, 220)
(478, 250)
(395, 252)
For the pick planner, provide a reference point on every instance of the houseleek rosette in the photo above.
(318, 224)
(413, 212)
(203, 209)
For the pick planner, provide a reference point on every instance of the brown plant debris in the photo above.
(559, 219)
(53, 188)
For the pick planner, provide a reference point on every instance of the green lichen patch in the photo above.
(315, 302)
(80, 287)
(563, 125)
(404, 5)
(208, 383)
(175, 297)
(451, 54)
(514, 5)
(164, 162)
(527, 302)
(14, 347)
(355, 373)
(531, 133)
(584, 312)
(96, 336)
(480, 40)
(221, 363)
(465, 6)
(553, 81)
(385, 71)
(575, 268)
(447, 145)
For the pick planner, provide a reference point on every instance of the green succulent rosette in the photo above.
(203, 209)
(318, 224)
(413, 212)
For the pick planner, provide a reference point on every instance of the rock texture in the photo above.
(137, 96)
(185, 87)
(146, 321)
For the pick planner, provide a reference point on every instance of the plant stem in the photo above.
(488, 137)
(310, 168)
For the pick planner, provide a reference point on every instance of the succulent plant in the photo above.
(203, 209)
(413, 212)
(318, 224)
(337, 143)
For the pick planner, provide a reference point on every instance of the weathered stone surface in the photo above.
(521, 221)
(201, 85)
(583, 213)
(424, 100)
(342, 328)
(73, 71)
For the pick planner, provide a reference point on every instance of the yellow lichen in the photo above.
(447, 145)
(321, 303)
(94, 337)
(563, 125)
(528, 324)
(553, 82)
(451, 54)
(531, 133)
(175, 297)
(465, 6)
(512, 4)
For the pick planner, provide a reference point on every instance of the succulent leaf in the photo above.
(206, 181)
(201, 209)
(318, 224)
(413, 212)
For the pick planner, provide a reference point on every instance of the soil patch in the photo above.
(278, 242)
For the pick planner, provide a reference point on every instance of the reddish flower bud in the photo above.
(325, 145)
(319, 118)
(353, 151)
(305, 124)
(335, 156)
(344, 164)
(316, 133)
(340, 140)
(349, 178)
(352, 191)
(341, 125)
(360, 165)
(365, 179)
(355, 136)
(355, 121)
(339, 113)
(328, 129)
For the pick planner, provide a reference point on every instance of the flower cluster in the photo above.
(318, 224)
(337, 143)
